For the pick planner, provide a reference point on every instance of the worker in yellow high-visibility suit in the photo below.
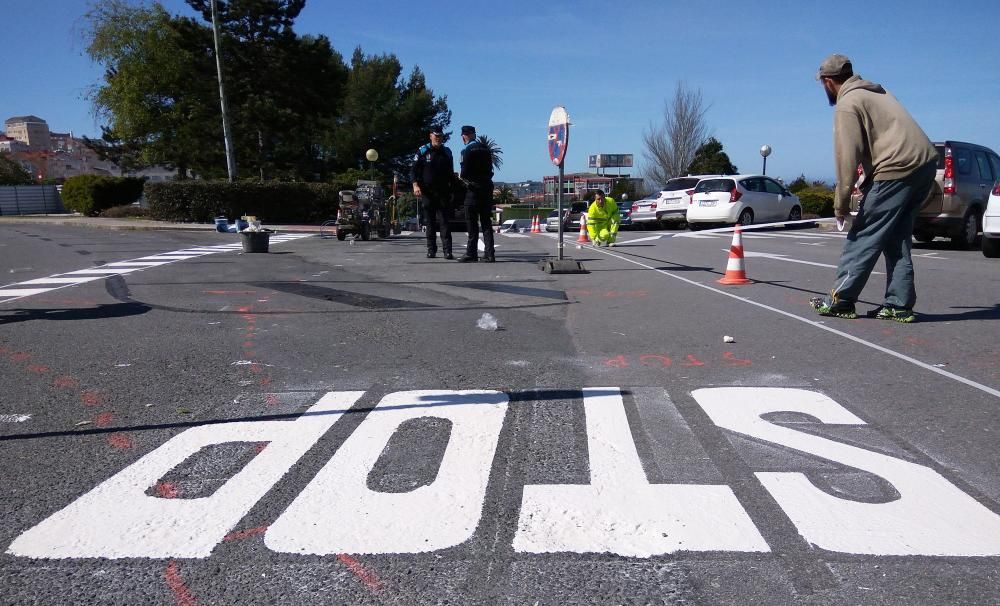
(603, 220)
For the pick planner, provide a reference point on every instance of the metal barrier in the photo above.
(30, 200)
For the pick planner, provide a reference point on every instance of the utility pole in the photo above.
(226, 130)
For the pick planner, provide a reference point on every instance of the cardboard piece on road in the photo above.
(562, 266)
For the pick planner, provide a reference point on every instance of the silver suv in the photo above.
(966, 173)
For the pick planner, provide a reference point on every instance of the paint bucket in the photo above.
(255, 241)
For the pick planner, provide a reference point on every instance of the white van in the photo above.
(513, 226)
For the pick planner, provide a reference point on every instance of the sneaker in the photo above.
(467, 259)
(489, 260)
(431, 255)
(841, 310)
(449, 256)
(896, 314)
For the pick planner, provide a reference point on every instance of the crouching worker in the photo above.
(603, 220)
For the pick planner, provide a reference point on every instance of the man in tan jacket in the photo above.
(871, 128)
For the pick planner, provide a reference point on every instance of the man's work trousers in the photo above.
(436, 206)
(602, 230)
(884, 226)
(479, 214)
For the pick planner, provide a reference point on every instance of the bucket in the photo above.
(242, 224)
(255, 241)
(221, 224)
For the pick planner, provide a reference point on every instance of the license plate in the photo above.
(707, 202)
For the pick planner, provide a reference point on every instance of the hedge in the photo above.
(271, 202)
(91, 194)
(816, 201)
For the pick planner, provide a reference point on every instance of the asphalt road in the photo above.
(184, 424)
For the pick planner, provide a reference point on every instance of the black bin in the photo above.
(255, 241)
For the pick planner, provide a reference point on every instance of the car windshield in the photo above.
(578, 207)
(710, 185)
(678, 184)
(554, 213)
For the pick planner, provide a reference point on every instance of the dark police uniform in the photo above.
(434, 171)
(477, 175)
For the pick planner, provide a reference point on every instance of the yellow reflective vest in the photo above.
(608, 214)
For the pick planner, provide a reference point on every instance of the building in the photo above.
(30, 130)
(10, 145)
(577, 185)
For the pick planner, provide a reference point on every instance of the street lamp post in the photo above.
(227, 133)
(372, 156)
(765, 151)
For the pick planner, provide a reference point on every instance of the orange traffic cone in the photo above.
(536, 228)
(735, 271)
(583, 238)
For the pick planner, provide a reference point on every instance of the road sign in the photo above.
(558, 135)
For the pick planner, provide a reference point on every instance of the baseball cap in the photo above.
(469, 130)
(835, 65)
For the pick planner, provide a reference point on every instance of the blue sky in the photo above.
(611, 65)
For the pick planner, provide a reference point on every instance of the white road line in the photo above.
(14, 418)
(747, 253)
(11, 292)
(77, 280)
(814, 323)
(21, 292)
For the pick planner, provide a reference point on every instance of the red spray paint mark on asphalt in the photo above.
(732, 360)
(182, 595)
(260, 447)
(617, 362)
(37, 368)
(19, 356)
(692, 361)
(265, 381)
(104, 419)
(243, 534)
(665, 361)
(272, 399)
(167, 490)
(120, 441)
(364, 575)
(65, 382)
(91, 398)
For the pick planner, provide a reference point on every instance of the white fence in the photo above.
(30, 200)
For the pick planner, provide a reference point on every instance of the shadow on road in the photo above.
(104, 311)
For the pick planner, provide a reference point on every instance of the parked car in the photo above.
(552, 221)
(626, 214)
(571, 212)
(743, 199)
(991, 223)
(511, 226)
(954, 209)
(670, 204)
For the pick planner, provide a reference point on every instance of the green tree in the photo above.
(798, 184)
(158, 79)
(382, 111)
(496, 153)
(12, 173)
(709, 159)
(505, 196)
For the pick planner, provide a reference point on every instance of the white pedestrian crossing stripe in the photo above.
(11, 292)
(618, 511)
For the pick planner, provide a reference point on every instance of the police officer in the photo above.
(433, 176)
(477, 176)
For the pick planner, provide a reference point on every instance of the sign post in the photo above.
(558, 141)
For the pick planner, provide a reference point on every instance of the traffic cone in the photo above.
(536, 228)
(735, 271)
(583, 238)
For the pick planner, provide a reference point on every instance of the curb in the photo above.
(133, 224)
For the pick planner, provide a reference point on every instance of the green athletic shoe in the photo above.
(840, 310)
(896, 314)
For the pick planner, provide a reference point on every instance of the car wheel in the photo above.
(991, 248)
(746, 217)
(923, 237)
(966, 237)
(695, 226)
(796, 214)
